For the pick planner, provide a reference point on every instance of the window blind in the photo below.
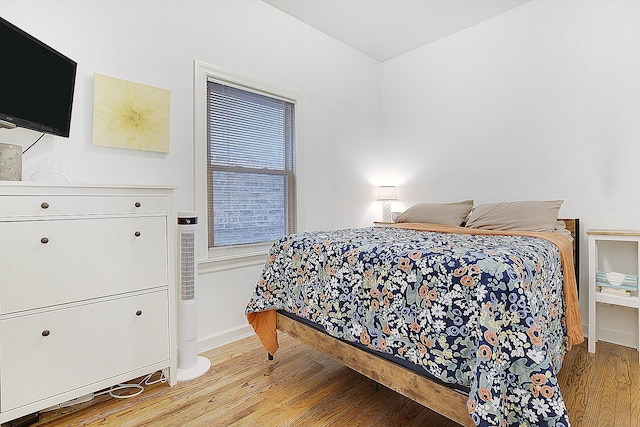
(250, 166)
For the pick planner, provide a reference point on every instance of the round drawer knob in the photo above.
(46, 333)
(44, 240)
(137, 234)
(139, 313)
(44, 205)
(138, 204)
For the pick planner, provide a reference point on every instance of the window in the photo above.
(250, 166)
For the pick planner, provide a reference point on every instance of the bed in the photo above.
(470, 323)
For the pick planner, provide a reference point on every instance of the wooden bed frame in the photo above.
(429, 393)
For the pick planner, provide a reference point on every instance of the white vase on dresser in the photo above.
(87, 290)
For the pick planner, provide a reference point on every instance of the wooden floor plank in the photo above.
(621, 372)
(308, 388)
(608, 386)
(634, 376)
(575, 379)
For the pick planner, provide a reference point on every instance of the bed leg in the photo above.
(271, 359)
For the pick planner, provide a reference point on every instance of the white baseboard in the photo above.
(615, 336)
(225, 337)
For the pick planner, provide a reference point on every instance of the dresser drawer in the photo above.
(52, 352)
(51, 205)
(45, 263)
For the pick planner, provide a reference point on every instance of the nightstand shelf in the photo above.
(633, 302)
(596, 238)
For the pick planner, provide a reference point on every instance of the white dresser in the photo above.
(87, 290)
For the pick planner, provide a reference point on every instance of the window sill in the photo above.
(232, 258)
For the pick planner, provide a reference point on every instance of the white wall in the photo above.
(155, 42)
(542, 102)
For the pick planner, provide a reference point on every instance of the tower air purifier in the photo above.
(190, 365)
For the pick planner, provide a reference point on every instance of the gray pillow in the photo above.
(437, 213)
(531, 215)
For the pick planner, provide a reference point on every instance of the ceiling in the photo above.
(384, 29)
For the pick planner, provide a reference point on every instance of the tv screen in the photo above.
(36, 83)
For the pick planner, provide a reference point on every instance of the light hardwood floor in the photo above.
(305, 388)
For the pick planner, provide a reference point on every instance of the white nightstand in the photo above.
(595, 296)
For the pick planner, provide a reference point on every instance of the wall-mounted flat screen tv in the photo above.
(36, 83)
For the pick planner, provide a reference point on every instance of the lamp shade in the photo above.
(387, 192)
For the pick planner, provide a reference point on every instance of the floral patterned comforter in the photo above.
(481, 312)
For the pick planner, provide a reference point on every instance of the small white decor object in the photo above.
(10, 162)
(615, 278)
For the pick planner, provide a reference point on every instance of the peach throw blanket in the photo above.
(264, 322)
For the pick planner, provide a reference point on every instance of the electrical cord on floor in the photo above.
(113, 391)
(138, 387)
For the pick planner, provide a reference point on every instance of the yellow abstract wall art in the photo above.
(130, 115)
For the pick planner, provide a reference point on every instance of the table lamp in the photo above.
(386, 193)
